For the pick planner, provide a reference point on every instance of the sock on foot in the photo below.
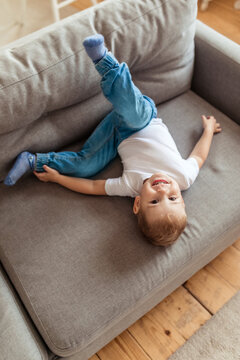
(95, 48)
(25, 162)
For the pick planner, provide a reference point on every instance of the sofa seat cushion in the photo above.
(79, 262)
(18, 337)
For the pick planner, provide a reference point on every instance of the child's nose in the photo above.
(161, 189)
(162, 193)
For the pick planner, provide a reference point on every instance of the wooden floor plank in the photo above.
(227, 265)
(210, 289)
(184, 312)
(124, 347)
(157, 336)
(94, 357)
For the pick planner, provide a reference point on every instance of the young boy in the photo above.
(154, 171)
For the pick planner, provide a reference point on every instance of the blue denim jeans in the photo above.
(131, 112)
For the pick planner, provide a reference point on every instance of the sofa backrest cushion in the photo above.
(50, 93)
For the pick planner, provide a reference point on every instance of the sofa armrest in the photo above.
(216, 75)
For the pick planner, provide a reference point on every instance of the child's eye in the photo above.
(172, 198)
(154, 201)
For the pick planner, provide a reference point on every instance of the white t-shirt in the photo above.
(146, 152)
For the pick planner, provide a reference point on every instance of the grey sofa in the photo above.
(75, 270)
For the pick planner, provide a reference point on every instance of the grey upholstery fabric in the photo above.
(49, 90)
(79, 262)
(18, 338)
(216, 75)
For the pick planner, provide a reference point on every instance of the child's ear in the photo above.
(136, 205)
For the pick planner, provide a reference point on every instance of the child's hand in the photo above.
(210, 122)
(50, 174)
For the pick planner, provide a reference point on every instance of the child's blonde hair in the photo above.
(162, 232)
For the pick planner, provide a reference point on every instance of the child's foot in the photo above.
(95, 48)
(25, 162)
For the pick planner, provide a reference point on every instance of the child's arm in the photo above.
(201, 149)
(84, 186)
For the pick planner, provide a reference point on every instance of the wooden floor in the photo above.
(164, 329)
(222, 17)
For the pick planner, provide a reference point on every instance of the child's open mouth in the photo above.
(159, 181)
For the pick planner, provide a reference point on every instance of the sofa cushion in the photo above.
(49, 90)
(18, 337)
(79, 262)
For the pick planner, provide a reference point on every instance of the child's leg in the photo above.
(97, 152)
(134, 110)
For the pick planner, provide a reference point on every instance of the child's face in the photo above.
(160, 195)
